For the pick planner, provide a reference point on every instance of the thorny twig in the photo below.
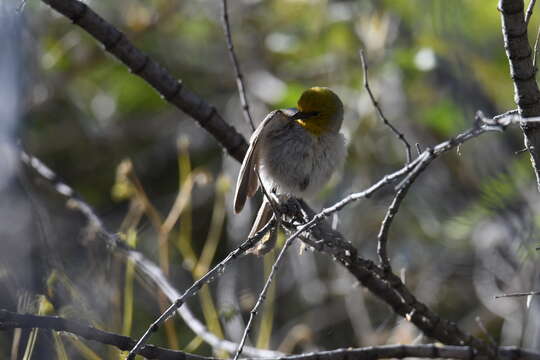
(396, 132)
(239, 76)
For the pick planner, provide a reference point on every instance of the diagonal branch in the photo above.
(382, 237)
(396, 132)
(529, 12)
(140, 64)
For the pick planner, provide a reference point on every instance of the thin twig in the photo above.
(196, 286)
(10, 320)
(262, 296)
(518, 294)
(529, 12)
(396, 132)
(535, 54)
(239, 76)
(382, 237)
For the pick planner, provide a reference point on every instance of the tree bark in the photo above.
(523, 73)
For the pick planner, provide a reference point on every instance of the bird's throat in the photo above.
(313, 126)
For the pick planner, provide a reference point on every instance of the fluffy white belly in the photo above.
(294, 161)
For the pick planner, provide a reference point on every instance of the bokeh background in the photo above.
(466, 232)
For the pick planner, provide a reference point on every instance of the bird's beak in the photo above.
(304, 115)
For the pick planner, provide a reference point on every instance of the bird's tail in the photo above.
(264, 216)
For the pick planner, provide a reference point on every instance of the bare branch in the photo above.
(11, 320)
(535, 55)
(196, 286)
(519, 294)
(140, 64)
(396, 132)
(262, 296)
(382, 237)
(420, 351)
(529, 12)
(239, 76)
(527, 94)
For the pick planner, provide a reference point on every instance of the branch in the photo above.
(527, 94)
(140, 64)
(239, 76)
(396, 132)
(529, 12)
(196, 286)
(382, 237)
(147, 268)
(11, 320)
(429, 351)
(262, 296)
(519, 294)
(386, 285)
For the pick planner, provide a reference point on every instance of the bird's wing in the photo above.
(247, 182)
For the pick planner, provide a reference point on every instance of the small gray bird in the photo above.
(295, 151)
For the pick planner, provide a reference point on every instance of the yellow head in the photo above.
(320, 111)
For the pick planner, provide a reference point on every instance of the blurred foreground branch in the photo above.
(11, 320)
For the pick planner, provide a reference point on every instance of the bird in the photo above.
(293, 152)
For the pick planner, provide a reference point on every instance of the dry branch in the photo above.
(520, 57)
(10, 320)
